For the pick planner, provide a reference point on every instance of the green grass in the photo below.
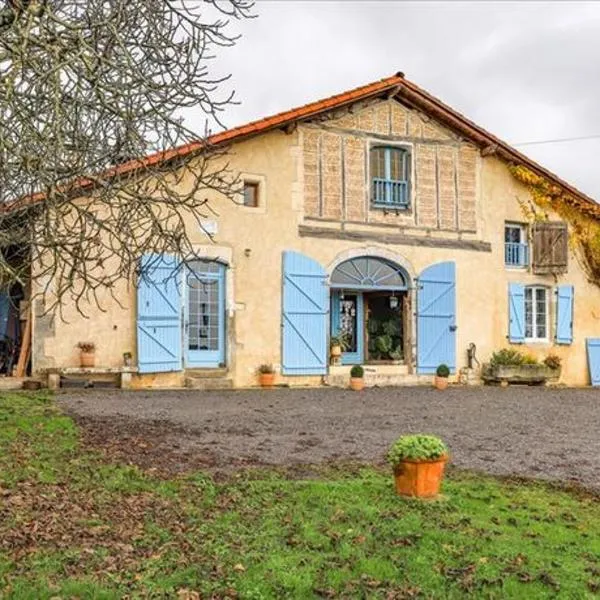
(72, 525)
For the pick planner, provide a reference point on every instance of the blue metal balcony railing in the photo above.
(516, 255)
(388, 193)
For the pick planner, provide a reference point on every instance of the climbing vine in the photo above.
(583, 218)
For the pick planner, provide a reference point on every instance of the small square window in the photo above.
(250, 193)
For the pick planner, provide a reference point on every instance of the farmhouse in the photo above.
(379, 215)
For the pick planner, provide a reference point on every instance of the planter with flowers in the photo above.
(418, 462)
(266, 375)
(87, 354)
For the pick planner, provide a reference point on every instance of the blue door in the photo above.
(347, 320)
(436, 318)
(159, 314)
(305, 316)
(593, 351)
(205, 314)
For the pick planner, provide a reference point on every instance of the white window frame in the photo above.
(523, 239)
(534, 315)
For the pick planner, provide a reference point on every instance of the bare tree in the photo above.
(88, 90)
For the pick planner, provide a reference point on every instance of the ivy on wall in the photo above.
(582, 218)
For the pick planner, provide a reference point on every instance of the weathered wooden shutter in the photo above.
(593, 352)
(305, 316)
(159, 314)
(516, 313)
(436, 318)
(550, 247)
(564, 314)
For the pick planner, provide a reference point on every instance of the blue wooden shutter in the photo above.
(564, 314)
(516, 313)
(305, 316)
(436, 318)
(593, 352)
(159, 314)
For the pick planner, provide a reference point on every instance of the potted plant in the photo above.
(127, 358)
(554, 363)
(87, 355)
(266, 375)
(357, 382)
(441, 377)
(335, 348)
(418, 462)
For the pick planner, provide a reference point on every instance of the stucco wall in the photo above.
(251, 241)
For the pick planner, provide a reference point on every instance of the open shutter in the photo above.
(564, 314)
(593, 352)
(516, 313)
(305, 316)
(550, 247)
(159, 314)
(436, 318)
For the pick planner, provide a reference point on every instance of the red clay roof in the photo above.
(406, 91)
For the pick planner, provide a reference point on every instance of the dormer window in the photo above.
(390, 177)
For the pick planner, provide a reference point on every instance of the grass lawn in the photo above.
(73, 525)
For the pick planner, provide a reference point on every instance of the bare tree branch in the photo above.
(86, 85)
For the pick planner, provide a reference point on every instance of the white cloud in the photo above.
(525, 71)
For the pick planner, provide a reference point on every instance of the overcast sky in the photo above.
(525, 71)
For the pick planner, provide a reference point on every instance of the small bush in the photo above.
(529, 359)
(508, 357)
(416, 447)
(266, 369)
(553, 361)
(357, 371)
(442, 371)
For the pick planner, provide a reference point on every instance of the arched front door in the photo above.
(205, 314)
(370, 310)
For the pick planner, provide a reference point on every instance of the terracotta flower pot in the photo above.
(267, 380)
(441, 383)
(87, 359)
(419, 478)
(357, 383)
(336, 351)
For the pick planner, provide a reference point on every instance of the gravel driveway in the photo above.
(529, 431)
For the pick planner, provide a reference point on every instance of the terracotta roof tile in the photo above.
(405, 89)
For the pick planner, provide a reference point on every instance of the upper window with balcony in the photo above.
(390, 169)
(516, 250)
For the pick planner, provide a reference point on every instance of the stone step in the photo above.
(380, 379)
(206, 373)
(209, 383)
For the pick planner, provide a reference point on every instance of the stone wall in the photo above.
(336, 170)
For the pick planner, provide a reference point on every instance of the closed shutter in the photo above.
(593, 352)
(159, 314)
(564, 314)
(436, 318)
(305, 316)
(550, 247)
(516, 313)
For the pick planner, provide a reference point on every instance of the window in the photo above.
(536, 313)
(250, 193)
(516, 251)
(390, 177)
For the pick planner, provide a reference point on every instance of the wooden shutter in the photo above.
(564, 314)
(436, 318)
(516, 313)
(550, 247)
(305, 316)
(159, 314)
